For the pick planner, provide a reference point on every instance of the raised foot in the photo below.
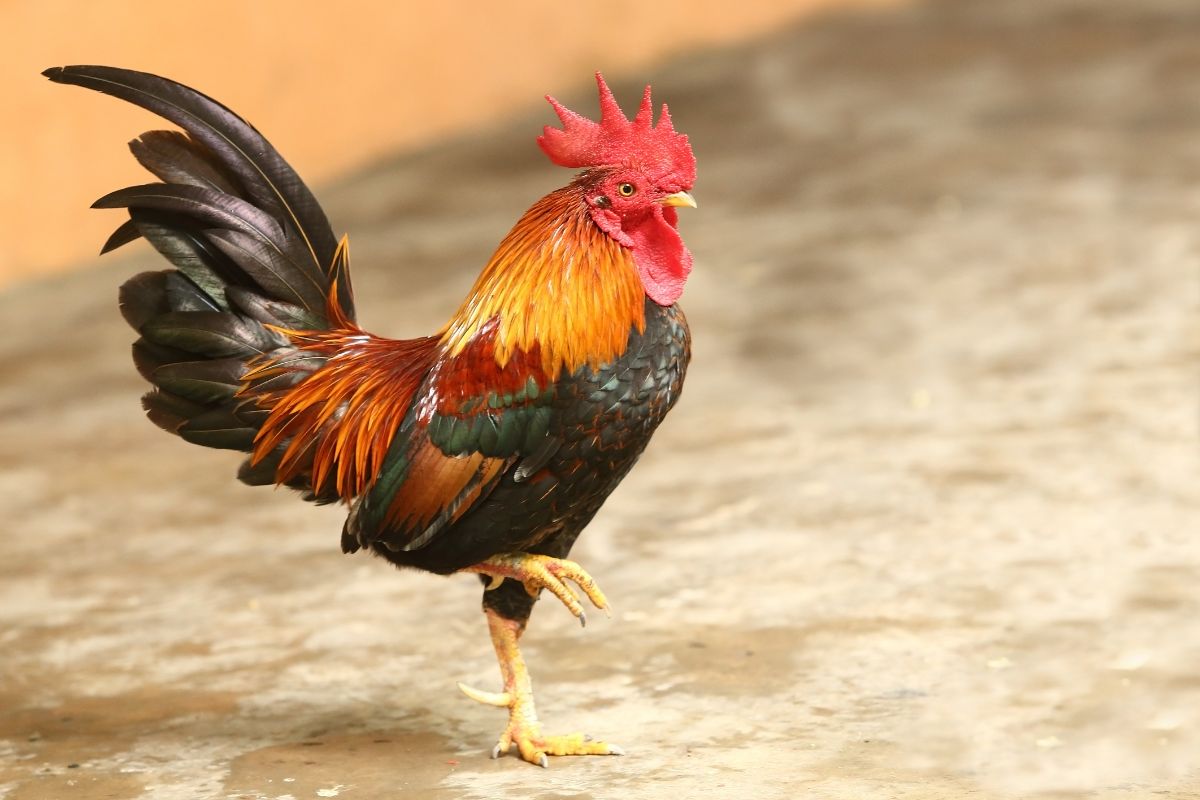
(543, 572)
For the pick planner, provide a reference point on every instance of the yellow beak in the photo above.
(679, 199)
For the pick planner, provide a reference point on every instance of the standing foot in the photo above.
(523, 729)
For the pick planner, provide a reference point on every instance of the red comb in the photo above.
(617, 140)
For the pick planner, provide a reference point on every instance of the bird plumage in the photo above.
(483, 447)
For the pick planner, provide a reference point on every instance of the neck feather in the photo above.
(558, 286)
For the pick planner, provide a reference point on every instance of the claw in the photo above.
(538, 572)
(497, 751)
(498, 699)
(544, 762)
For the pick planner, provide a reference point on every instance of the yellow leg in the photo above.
(544, 572)
(524, 730)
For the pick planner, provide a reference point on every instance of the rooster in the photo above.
(486, 447)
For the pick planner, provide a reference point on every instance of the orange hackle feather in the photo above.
(557, 294)
(557, 284)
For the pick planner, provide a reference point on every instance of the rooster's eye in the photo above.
(627, 189)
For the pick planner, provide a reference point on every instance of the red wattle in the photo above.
(661, 257)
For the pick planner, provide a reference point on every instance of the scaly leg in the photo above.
(543, 572)
(523, 728)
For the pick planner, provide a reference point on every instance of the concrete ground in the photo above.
(923, 526)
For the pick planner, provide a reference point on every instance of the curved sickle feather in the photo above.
(267, 178)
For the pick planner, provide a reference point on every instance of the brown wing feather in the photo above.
(440, 488)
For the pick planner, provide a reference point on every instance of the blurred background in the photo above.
(335, 87)
(922, 525)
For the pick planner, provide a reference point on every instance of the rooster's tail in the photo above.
(253, 253)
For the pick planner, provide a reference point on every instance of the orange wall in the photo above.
(334, 85)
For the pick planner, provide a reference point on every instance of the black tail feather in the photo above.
(183, 295)
(184, 243)
(272, 312)
(212, 334)
(169, 411)
(220, 428)
(123, 235)
(148, 357)
(174, 158)
(206, 382)
(143, 297)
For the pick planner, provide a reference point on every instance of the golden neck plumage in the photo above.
(557, 283)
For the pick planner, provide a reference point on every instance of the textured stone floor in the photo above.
(924, 524)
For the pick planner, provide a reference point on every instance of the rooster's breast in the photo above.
(602, 419)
